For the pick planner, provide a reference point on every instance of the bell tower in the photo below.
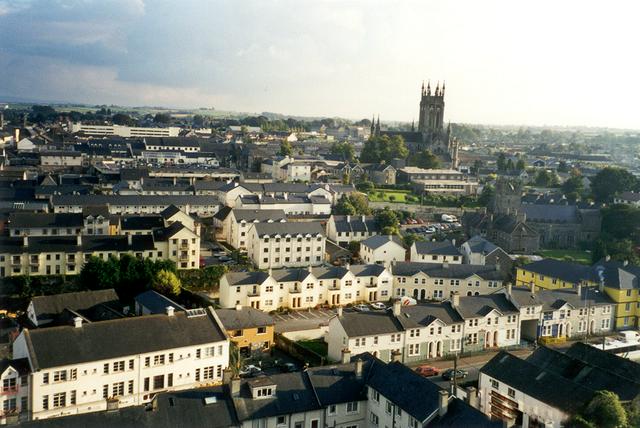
(431, 119)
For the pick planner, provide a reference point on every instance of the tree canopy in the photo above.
(352, 205)
(286, 149)
(383, 148)
(345, 150)
(424, 159)
(388, 221)
(610, 181)
(166, 282)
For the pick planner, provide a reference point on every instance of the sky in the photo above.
(511, 62)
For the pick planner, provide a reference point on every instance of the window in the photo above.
(373, 418)
(118, 366)
(146, 383)
(414, 349)
(130, 387)
(105, 368)
(105, 391)
(45, 402)
(158, 382)
(207, 373)
(332, 409)
(389, 407)
(375, 395)
(352, 407)
(511, 392)
(60, 376)
(147, 361)
(495, 384)
(281, 420)
(117, 389)
(262, 330)
(158, 360)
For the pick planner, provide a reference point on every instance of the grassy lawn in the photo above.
(319, 346)
(578, 256)
(383, 195)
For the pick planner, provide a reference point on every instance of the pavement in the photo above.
(302, 320)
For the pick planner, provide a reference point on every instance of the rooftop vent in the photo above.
(210, 400)
(197, 312)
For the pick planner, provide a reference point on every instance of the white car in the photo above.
(361, 308)
(378, 306)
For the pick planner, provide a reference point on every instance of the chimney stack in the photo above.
(607, 258)
(129, 239)
(509, 288)
(346, 356)
(170, 310)
(25, 240)
(227, 374)
(77, 322)
(238, 307)
(397, 308)
(579, 289)
(79, 240)
(472, 397)
(359, 365)
(339, 311)
(455, 299)
(533, 288)
(396, 356)
(235, 386)
(443, 403)
(626, 262)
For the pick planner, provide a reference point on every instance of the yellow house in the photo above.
(553, 274)
(251, 330)
(621, 283)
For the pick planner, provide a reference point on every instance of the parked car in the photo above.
(224, 258)
(361, 308)
(459, 374)
(250, 370)
(427, 371)
(288, 368)
(378, 306)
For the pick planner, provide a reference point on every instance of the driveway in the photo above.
(302, 320)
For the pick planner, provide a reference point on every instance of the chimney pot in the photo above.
(359, 365)
(455, 299)
(397, 308)
(443, 403)
(170, 310)
(25, 240)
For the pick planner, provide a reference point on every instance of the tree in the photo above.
(286, 149)
(345, 150)
(501, 163)
(365, 186)
(605, 411)
(510, 166)
(609, 181)
(123, 119)
(354, 248)
(360, 203)
(573, 187)
(346, 178)
(198, 120)
(487, 195)
(163, 118)
(410, 238)
(563, 167)
(344, 206)
(388, 221)
(425, 159)
(166, 282)
(383, 148)
(546, 178)
(520, 165)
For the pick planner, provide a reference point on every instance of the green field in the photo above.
(578, 256)
(384, 195)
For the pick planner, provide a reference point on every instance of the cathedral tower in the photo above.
(431, 109)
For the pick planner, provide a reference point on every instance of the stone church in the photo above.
(525, 228)
(431, 133)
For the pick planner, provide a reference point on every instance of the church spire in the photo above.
(413, 125)
(422, 91)
(373, 124)
(429, 87)
(378, 126)
(442, 92)
(437, 89)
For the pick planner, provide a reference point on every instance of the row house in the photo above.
(65, 255)
(438, 281)
(276, 245)
(557, 315)
(343, 229)
(382, 249)
(89, 367)
(202, 206)
(291, 204)
(435, 252)
(355, 394)
(14, 392)
(305, 288)
(427, 330)
(238, 222)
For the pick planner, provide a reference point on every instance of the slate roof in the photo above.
(629, 196)
(452, 270)
(444, 248)
(167, 232)
(170, 211)
(47, 307)
(247, 317)
(478, 244)
(21, 365)
(90, 244)
(605, 361)
(367, 270)
(28, 220)
(565, 271)
(156, 303)
(551, 213)
(616, 274)
(356, 224)
(67, 345)
(377, 241)
(298, 228)
(543, 385)
(585, 374)
(246, 278)
(290, 199)
(551, 300)
(87, 200)
(479, 306)
(250, 216)
(338, 383)
(140, 222)
(460, 414)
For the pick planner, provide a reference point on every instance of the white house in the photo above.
(90, 367)
(343, 229)
(382, 249)
(276, 245)
(306, 288)
(435, 252)
(236, 225)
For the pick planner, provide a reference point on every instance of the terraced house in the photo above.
(427, 330)
(276, 245)
(620, 281)
(89, 367)
(305, 287)
(552, 274)
(438, 281)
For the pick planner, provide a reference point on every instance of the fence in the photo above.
(298, 351)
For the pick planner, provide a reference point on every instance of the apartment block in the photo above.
(277, 245)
